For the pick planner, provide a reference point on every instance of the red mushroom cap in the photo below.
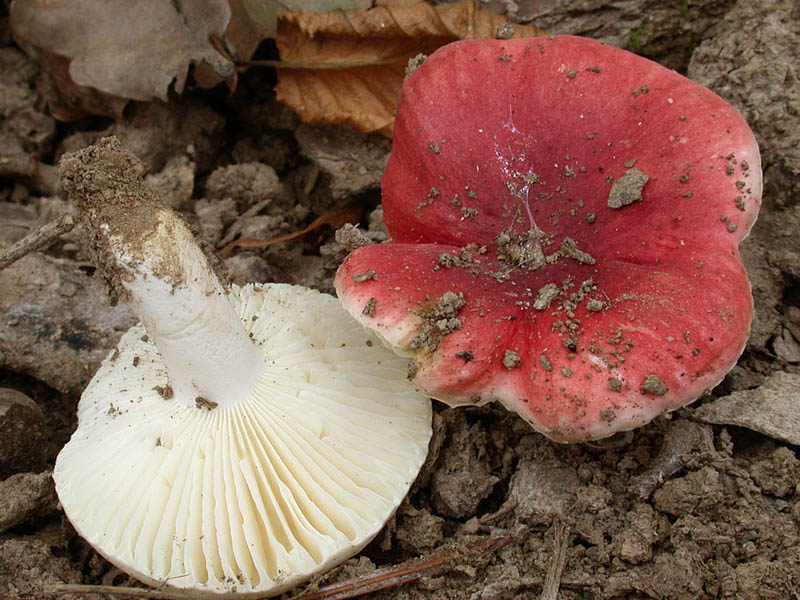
(565, 219)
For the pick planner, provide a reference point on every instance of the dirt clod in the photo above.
(627, 189)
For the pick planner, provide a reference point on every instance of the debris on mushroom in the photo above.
(609, 221)
(233, 443)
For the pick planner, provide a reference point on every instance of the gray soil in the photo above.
(705, 504)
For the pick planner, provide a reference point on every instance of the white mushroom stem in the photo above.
(151, 260)
(172, 289)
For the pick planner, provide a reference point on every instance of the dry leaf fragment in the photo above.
(128, 50)
(348, 66)
(264, 13)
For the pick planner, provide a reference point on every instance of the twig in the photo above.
(36, 240)
(405, 572)
(552, 579)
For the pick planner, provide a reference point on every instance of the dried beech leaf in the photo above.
(264, 13)
(348, 66)
(133, 50)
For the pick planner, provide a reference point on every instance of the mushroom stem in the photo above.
(151, 260)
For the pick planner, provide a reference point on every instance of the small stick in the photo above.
(405, 572)
(552, 579)
(36, 240)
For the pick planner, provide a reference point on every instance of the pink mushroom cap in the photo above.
(564, 219)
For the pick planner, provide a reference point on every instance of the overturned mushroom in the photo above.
(585, 205)
(232, 444)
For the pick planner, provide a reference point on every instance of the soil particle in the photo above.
(643, 527)
(369, 307)
(438, 320)
(247, 184)
(522, 250)
(685, 442)
(419, 531)
(511, 359)
(627, 189)
(653, 384)
(351, 237)
(694, 493)
(545, 296)
(778, 474)
(569, 248)
(461, 479)
(542, 490)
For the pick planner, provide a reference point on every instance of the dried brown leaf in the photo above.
(119, 49)
(348, 66)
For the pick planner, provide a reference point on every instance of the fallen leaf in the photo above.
(264, 13)
(772, 408)
(347, 67)
(100, 52)
(334, 218)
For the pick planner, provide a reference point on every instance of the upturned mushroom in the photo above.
(233, 443)
(564, 220)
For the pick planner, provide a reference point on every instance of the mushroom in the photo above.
(233, 443)
(564, 220)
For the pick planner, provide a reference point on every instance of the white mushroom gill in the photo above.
(259, 495)
(233, 444)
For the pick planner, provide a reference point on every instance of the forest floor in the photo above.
(680, 509)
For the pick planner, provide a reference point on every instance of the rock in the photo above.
(772, 409)
(55, 324)
(26, 496)
(22, 435)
